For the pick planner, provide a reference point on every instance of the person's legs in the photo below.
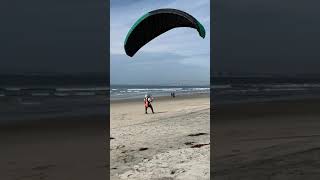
(151, 108)
(146, 108)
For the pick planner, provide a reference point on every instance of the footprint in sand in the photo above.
(143, 149)
(198, 134)
(198, 145)
(188, 143)
(120, 146)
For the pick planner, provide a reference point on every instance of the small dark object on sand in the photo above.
(188, 143)
(174, 171)
(197, 134)
(143, 149)
(111, 138)
(198, 145)
(120, 146)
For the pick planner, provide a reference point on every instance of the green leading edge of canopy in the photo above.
(135, 25)
(201, 30)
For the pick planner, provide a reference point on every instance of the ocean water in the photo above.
(222, 90)
(139, 91)
(17, 91)
(52, 85)
(235, 90)
(36, 97)
(232, 90)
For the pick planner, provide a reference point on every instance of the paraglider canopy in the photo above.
(156, 22)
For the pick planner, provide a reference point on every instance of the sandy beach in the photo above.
(55, 139)
(267, 140)
(56, 152)
(173, 143)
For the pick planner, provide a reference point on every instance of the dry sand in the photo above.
(159, 146)
(272, 140)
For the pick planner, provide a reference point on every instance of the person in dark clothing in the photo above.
(147, 103)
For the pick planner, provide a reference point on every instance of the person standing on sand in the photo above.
(147, 103)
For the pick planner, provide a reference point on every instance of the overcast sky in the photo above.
(266, 36)
(178, 56)
(53, 36)
(249, 36)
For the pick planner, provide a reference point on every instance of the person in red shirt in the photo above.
(147, 103)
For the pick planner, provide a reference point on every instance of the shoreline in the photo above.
(22, 110)
(162, 97)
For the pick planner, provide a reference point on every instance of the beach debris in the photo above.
(198, 145)
(188, 143)
(126, 157)
(136, 168)
(120, 146)
(197, 134)
(143, 149)
(146, 160)
(177, 171)
(111, 138)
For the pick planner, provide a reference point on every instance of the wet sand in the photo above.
(70, 146)
(272, 140)
(173, 143)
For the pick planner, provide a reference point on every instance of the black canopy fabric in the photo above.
(156, 22)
